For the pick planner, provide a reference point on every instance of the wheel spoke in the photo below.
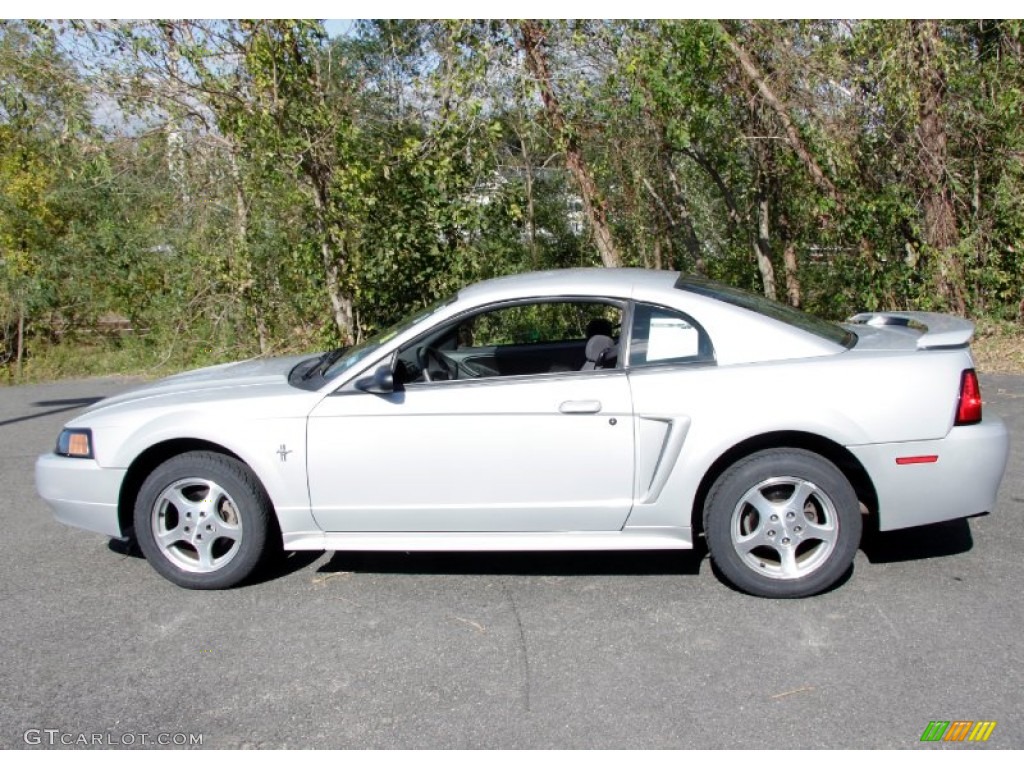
(816, 532)
(802, 492)
(747, 544)
(204, 548)
(757, 538)
(215, 528)
(182, 503)
(789, 567)
(766, 531)
(765, 508)
(208, 505)
(169, 537)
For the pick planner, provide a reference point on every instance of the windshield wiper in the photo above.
(326, 361)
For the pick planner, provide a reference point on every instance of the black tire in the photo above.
(782, 523)
(200, 494)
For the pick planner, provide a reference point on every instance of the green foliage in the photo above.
(228, 188)
(536, 323)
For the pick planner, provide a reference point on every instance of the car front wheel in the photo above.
(782, 523)
(202, 520)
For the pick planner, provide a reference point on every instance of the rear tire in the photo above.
(202, 520)
(782, 523)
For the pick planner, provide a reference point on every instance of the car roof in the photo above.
(592, 281)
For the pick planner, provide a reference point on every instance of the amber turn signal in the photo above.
(76, 443)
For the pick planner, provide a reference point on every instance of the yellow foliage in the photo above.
(26, 219)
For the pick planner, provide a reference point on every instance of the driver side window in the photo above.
(520, 339)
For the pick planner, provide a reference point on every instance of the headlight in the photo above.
(76, 443)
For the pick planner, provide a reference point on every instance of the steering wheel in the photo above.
(438, 362)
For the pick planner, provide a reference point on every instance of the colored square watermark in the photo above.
(958, 730)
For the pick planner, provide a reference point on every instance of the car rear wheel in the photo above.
(782, 523)
(202, 520)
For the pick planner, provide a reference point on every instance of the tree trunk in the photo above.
(686, 225)
(656, 254)
(689, 231)
(761, 247)
(242, 249)
(792, 280)
(20, 354)
(751, 70)
(341, 304)
(532, 38)
(531, 214)
(706, 165)
(175, 151)
(332, 256)
(940, 224)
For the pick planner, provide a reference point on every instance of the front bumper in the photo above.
(962, 482)
(81, 492)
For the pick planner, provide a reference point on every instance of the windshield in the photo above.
(375, 342)
(773, 309)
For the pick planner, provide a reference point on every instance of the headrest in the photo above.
(597, 346)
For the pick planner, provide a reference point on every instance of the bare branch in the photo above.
(793, 136)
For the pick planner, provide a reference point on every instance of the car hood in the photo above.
(227, 380)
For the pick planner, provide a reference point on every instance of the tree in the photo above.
(533, 38)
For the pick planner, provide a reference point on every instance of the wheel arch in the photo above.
(144, 464)
(828, 449)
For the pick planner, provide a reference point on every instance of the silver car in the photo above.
(589, 409)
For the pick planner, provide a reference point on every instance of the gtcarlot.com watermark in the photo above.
(55, 737)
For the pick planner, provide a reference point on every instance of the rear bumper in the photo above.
(962, 482)
(81, 492)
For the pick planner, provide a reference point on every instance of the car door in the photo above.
(544, 452)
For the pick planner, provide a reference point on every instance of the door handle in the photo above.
(580, 406)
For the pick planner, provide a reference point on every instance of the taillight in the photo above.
(968, 411)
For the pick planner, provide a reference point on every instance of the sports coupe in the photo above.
(592, 409)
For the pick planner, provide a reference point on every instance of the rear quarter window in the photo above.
(662, 336)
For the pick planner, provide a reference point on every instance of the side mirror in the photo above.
(382, 382)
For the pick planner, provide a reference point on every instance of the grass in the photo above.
(136, 357)
(998, 347)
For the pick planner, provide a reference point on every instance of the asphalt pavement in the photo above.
(608, 650)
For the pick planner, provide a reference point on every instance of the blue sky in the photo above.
(338, 27)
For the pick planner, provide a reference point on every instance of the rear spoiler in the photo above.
(936, 330)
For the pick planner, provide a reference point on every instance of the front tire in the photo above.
(202, 520)
(782, 523)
